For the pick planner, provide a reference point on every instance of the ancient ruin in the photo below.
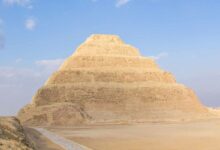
(108, 81)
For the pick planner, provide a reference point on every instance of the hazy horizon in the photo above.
(36, 36)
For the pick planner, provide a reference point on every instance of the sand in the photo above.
(200, 135)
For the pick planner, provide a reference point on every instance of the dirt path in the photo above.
(62, 142)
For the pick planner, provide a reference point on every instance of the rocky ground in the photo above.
(12, 135)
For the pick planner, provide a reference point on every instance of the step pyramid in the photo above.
(108, 81)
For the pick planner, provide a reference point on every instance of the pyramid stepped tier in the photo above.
(104, 92)
(108, 62)
(110, 50)
(106, 76)
(108, 81)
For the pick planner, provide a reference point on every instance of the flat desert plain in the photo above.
(199, 135)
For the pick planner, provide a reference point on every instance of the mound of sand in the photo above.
(12, 135)
(108, 81)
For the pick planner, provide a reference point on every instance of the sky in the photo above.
(37, 35)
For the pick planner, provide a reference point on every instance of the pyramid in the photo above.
(108, 81)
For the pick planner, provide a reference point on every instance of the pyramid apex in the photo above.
(106, 44)
(104, 38)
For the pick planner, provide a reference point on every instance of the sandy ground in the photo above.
(201, 135)
(61, 141)
(41, 142)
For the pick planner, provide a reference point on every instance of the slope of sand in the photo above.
(202, 135)
(12, 135)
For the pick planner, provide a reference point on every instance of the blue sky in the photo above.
(37, 35)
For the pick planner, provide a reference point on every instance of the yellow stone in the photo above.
(108, 81)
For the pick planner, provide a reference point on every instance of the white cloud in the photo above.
(30, 6)
(40, 68)
(30, 24)
(18, 60)
(18, 85)
(11, 72)
(50, 65)
(120, 3)
(160, 56)
(24, 3)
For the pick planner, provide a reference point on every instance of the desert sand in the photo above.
(199, 135)
(196, 135)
